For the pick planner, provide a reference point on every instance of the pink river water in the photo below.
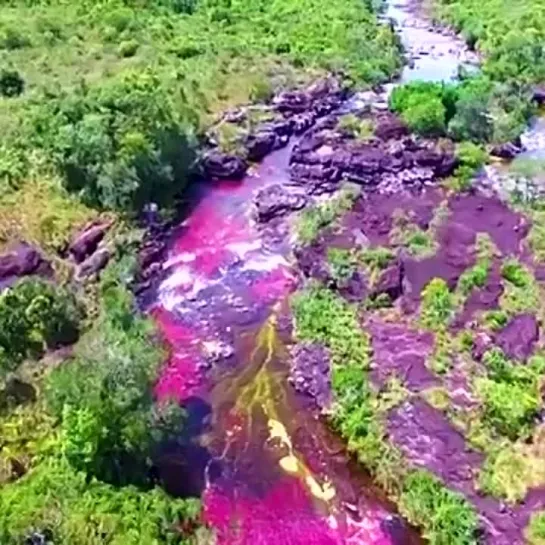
(269, 470)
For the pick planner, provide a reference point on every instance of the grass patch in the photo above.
(437, 306)
(411, 237)
(313, 220)
(521, 290)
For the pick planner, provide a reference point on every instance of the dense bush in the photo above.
(34, 315)
(118, 144)
(67, 508)
(437, 305)
(110, 428)
(11, 83)
(449, 519)
(510, 393)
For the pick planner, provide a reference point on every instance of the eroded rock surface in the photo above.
(518, 338)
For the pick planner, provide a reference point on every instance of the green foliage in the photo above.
(109, 428)
(474, 277)
(510, 394)
(536, 236)
(34, 315)
(62, 503)
(437, 305)
(447, 517)
(411, 237)
(342, 263)
(118, 145)
(505, 474)
(521, 291)
(11, 83)
(313, 220)
(535, 532)
(471, 159)
(496, 319)
(361, 129)
(425, 107)
(128, 48)
(376, 258)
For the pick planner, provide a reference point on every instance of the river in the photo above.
(269, 469)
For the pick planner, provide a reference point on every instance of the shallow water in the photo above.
(269, 469)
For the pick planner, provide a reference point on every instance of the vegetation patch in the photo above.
(521, 290)
(313, 220)
(535, 532)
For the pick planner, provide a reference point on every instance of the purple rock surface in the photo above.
(310, 372)
(518, 338)
(400, 351)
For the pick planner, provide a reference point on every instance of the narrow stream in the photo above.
(269, 470)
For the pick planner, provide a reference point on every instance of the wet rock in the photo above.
(292, 102)
(538, 95)
(302, 122)
(93, 264)
(276, 200)
(390, 282)
(396, 529)
(87, 240)
(509, 150)
(261, 144)
(311, 262)
(151, 253)
(389, 126)
(353, 288)
(518, 337)
(310, 372)
(216, 164)
(22, 260)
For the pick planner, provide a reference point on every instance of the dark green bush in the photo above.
(56, 501)
(119, 144)
(34, 315)
(11, 83)
(110, 427)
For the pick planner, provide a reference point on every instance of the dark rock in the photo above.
(302, 122)
(93, 264)
(481, 344)
(390, 282)
(22, 260)
(538, 95)
(261, 144)
(223, 166)
(509, 150)
(310, 372)
(518, 337)
(282, 127)
(276, 200)
(389, 126)
(87, 240)
(396, 529)
(353, 288)
(292, 102)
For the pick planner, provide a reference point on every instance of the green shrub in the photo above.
(110, 427)
(342, 263)
(128, 48)
(118, 145)
(34, 315)
(68, 508)
(437, 305)
(361, 129)
(515, 273)
(448, 519)
(475, 277)
(535, 532)
(11, 83)
(313, 220)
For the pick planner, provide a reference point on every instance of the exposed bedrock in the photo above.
(20, 261)
(518, 337)
(86, 241)
(310, 372)
(325, 157)
(277, 200)
(293, 112)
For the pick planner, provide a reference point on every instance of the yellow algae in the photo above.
(325, 492)
(290, 464)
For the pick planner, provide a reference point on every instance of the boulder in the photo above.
(22, 260)
(87, 240)
(295, 102)
(276, 200)
(218, 165)
(389, 127)
(390, 282)
(93, 264)
(509, 150)
(538, 95)
(310, 373)
(260, 144)
(518, 337)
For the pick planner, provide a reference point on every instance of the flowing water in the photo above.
(269, 469)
